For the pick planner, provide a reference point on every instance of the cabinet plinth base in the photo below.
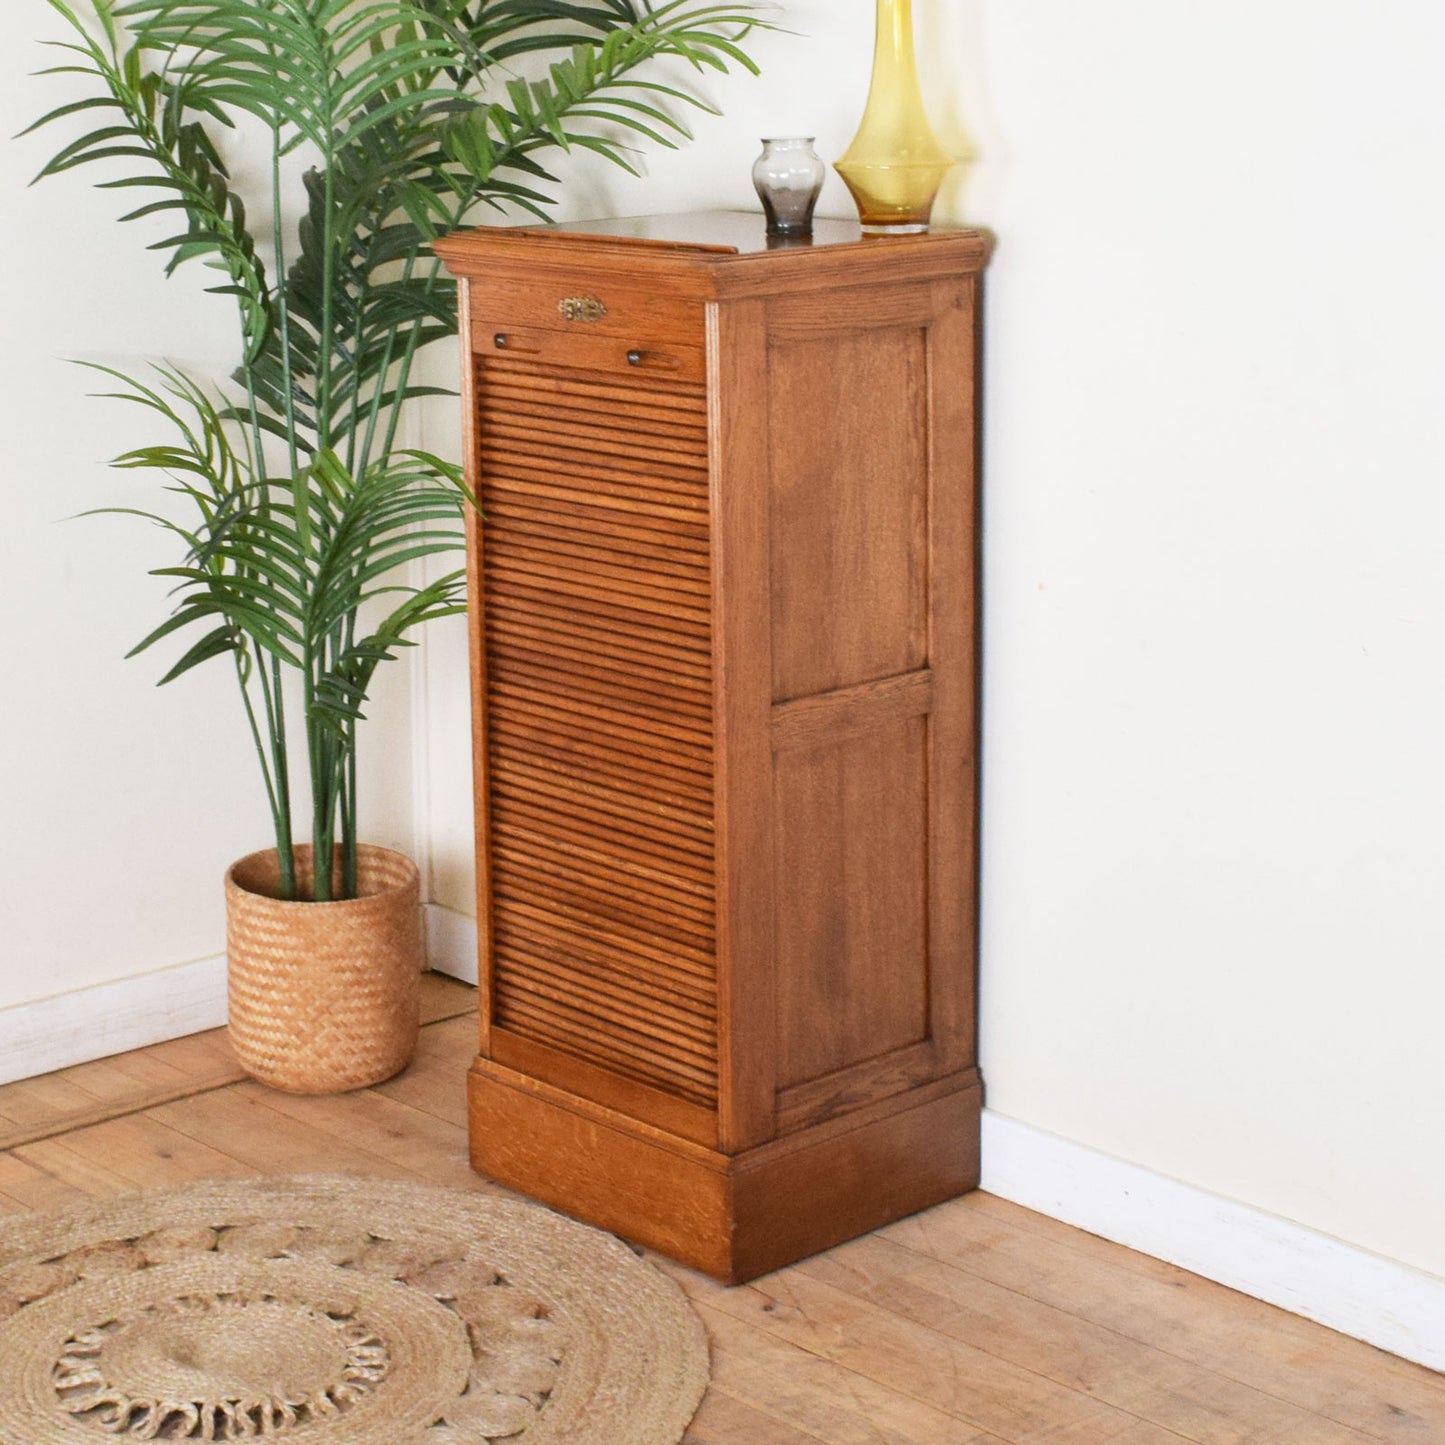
(733, 1217)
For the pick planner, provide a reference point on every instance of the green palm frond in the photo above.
(154, 123)
(303, 517)
(505, 29)
(323, 71)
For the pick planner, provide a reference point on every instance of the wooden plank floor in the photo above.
(974, 1322)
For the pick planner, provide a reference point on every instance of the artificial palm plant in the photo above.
(402, 118)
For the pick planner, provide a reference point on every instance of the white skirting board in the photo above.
(451, 942)
(1361, 1294)
(93, 1023)
(132, 1013)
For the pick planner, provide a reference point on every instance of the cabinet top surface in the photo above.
(701, 238)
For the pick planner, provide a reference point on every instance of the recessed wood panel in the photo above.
(598, 622)
(851, 918)
(848, 422)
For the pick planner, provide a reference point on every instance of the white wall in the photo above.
(117, 821)
(1216, 548)
(1214, 689)
(121, 805)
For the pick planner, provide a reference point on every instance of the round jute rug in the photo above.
(341, 1312)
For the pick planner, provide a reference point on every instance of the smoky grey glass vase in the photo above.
(788, 177)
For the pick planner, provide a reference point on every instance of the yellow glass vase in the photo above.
(895, 164)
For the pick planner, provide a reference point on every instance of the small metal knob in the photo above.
(500, 341)
(634, 358)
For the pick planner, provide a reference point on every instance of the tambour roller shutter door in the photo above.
(598, 697)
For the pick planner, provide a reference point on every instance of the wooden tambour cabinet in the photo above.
(724, 640)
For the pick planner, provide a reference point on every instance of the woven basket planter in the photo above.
(324, 997)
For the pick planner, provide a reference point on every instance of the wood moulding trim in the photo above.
(847, 711)
(1342, 1286)
(783, 1146)
(737, 449)
(846, 268)
(574, 1075)
(848, 1089)
(735, 1217)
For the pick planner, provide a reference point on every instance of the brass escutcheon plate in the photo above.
(581, 308)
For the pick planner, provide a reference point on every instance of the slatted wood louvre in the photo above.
(724, 686)
(596, 599)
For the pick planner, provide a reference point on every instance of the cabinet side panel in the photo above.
(872, 623)
(598, 694)
(848, 498)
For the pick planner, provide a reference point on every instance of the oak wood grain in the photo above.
(841, 1092)
(1200, 1404)
(851, 855)
(636, 315)
(1166, 1308)
(725, 764)
(747, 886)
(828, 717)
(975, 1321)
(847, 503)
